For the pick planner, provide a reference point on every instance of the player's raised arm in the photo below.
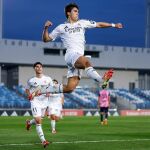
(107, 25)
(45, 35)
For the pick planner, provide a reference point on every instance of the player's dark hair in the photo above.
(69, 7)
(54, 80)
(37, 63)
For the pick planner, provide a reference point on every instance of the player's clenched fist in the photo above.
(118, 25)
(47, 24)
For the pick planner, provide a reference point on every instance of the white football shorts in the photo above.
(38, 107)
(54, 111)
(70, 59)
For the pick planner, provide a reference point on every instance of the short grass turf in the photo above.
(78, 133)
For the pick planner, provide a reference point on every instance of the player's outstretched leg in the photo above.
(106, 77)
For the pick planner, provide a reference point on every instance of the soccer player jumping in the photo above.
(72, 34)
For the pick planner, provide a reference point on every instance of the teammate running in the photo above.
(39, 103)
(55, 107)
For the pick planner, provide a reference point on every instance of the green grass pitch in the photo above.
(78, 133)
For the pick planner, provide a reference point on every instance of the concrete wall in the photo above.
(27, 72)
(28, 52)
(123, 78)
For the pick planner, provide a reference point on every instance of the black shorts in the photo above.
(104, 109)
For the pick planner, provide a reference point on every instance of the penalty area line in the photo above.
(75, 142)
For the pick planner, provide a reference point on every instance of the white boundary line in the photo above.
(75, 142)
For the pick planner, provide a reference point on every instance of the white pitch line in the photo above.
(75, 142)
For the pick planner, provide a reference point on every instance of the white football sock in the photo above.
(40, 132)
(32, 122)
(92, 73)
(53, 123)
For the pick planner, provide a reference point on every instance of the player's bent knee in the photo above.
(57, 118)
(87, 64)
(38, 120)
(52, 117)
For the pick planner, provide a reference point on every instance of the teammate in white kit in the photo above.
(54, 110)
(55, 107)
(72, 35)
(39, 103)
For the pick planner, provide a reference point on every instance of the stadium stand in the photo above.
(139, 98)
(81, 98)
(10, 99)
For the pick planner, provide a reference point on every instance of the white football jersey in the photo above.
(43, 82)
(73, 35)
